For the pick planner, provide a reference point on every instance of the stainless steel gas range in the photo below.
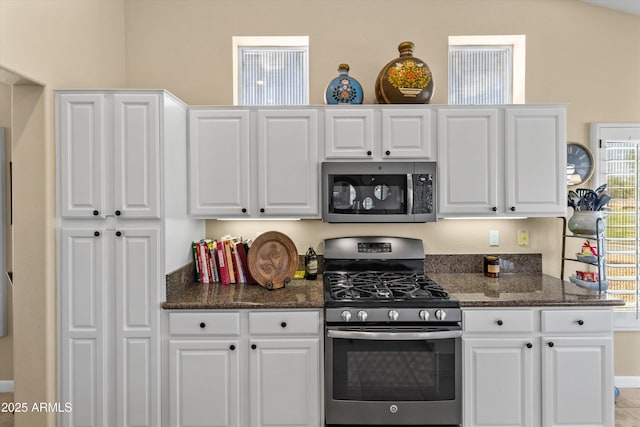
(392, 337)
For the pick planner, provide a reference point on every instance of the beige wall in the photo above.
(577, 54)
(61, 43)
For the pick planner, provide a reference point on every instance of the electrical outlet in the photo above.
(494, 238)
(523, 238)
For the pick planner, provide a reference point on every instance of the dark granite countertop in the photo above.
(518, 290)
(296, 294)
(471, 289)
(521, 284)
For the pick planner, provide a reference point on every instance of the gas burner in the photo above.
(383, 286)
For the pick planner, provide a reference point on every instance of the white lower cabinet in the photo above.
(530, 367)
(243, 368)
(284, 382)
(204, 383)
(109, 342)
(500, 388)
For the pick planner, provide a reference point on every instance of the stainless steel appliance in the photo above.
(378, 191)
(392, 337)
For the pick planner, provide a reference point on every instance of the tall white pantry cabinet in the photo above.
(122, 219)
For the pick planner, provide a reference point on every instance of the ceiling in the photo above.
(627, 6)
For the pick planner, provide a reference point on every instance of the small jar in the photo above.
(492, 266)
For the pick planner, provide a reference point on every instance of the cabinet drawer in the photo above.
(572, 321)
(226, 324)
(498, 321)
(284, 323)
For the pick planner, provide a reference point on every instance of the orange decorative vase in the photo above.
(405, 80)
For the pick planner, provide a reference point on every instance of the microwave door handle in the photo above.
(391, 336)
(409, 194)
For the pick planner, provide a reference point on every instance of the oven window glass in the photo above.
(394, 370)
(368, 194)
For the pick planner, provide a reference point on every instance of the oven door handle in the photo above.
(390, 336)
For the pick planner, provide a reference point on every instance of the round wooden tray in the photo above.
(273, 259)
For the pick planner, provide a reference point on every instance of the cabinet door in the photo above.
(577, 381)
(284, 382)
(468, 162)
(288, 166)
(406, 134)
(81, 154)
(535, 161)
(137, 349)
(499, 387)
(219, 168)
(136, 155)
(348, 133)
(84, 372)
(203, 383)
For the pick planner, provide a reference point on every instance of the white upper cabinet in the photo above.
(379, 133)
(109, 148)
(406, 134)
(468, 161)
(136, 155)
(349, 133)
(502, 161)
(81, 150)
(219, 162)
(288, 165)
(535, 161)
(253, 163)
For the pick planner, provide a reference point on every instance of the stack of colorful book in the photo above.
(222, 261)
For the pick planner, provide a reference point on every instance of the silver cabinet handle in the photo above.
(390, 336)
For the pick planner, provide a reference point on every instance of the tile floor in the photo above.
(627, 408)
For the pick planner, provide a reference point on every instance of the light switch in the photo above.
(523, 238)
(494, 238)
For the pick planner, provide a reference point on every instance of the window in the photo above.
(616, 149)
(271, 70)
(486, 69)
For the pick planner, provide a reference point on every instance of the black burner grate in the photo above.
(383, 286)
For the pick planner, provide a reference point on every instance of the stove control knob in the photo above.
(346, 315)
(441, 314)
(423, 315)
(393, 315)
(362, 315)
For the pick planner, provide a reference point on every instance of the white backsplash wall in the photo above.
(441, 237)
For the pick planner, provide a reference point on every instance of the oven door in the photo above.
(397, 375)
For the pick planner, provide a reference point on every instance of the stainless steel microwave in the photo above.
(378, 191)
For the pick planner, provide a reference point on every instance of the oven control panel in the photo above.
(392, 315)
(374, 247)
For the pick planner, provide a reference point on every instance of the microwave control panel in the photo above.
(422, 193)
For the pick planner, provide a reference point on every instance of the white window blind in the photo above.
(621, 172)
(487, 69)
(273, 76)
(480, 75)
(270, 70)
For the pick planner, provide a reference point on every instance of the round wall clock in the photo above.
(579, 163)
